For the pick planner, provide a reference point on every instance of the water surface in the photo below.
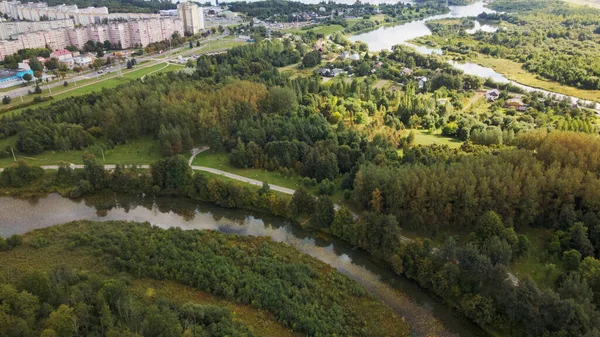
(387, 37)
(19, 216)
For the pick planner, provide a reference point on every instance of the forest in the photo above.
(105, 296)
(514, 172)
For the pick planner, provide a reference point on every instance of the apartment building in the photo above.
(8, 29)
(129, 34)
(96, 24)
(192, 17)
(35, 11)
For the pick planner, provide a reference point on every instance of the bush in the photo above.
(6, 100)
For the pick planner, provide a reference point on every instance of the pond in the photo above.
(19, 216)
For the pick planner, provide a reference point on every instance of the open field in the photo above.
(135, 152)
(426, 137)
(325, 30)
(515, 72)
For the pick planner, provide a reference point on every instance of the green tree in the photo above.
(281, 100)
(578, 240)
(311, 59)
(572, 259)
(63, 321)
(324, 213)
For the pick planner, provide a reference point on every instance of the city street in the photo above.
(111, 71)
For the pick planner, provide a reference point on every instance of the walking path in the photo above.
(196, 151)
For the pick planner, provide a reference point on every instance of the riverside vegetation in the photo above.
(475, 206)
(87, 278)
(554, 40)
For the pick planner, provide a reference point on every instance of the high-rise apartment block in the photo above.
(192, 17)
(129, 34)
(69, 25)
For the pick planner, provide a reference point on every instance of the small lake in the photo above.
(19, 216)
(387, 37)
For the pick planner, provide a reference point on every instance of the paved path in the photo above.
(196, 151)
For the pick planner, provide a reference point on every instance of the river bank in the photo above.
(424, 314)
(406, 34)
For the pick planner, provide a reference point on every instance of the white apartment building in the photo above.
(192, 17)
(135, 33)
(34, 11)
(8, 29)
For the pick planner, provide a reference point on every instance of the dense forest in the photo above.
(98, 299)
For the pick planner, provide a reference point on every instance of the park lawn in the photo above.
(220, 161)
(515, 72)
(91, 86)
(135, 152)
(426, 137)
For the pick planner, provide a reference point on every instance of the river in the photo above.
(388, 36)
(19, 216)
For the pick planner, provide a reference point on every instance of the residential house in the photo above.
(492, 95)
(355, 57)
(515, 103)
(61, 55)
(83, 61)
(344, 55)
(336, 72)
(406, 71)
(422, 82)
(324, 72)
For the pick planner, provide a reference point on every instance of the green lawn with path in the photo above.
(82, 88)
(135, 152)
(219, 160)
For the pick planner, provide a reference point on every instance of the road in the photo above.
(153, 58)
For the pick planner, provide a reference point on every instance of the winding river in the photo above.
(19, 216)
(388, 36)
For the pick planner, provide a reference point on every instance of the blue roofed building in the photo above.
(9, 77)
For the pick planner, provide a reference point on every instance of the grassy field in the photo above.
(591, 3)
(219, 161)
(136, 152)
(91, 85)
(426, 137)
(325, 30)
(539, 265)
(514, 71)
